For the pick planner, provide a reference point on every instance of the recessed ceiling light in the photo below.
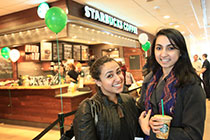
(171, 23)
(176, 26)
(166, 17)
(156, 7)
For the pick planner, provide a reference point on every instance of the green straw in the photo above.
(162, 107)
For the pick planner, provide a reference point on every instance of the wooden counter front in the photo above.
(53, 90)
(37, 104)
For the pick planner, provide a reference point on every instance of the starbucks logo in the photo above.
(164, 129)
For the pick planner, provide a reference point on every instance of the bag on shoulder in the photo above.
(69, 134)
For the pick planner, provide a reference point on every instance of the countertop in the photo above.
(74, 94)
(34, 87)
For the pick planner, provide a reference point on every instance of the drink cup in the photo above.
(164, 131)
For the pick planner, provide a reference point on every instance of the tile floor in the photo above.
(14, 132)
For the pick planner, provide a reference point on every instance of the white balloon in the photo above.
(14, 55)
(143, 38)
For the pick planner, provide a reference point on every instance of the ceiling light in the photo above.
(176, 26)
(166, 17)
(171, 23)
(156, 7)
(106, 42)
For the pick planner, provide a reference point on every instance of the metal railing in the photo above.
(60, 120)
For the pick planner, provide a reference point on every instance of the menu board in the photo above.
(6, 68)
(134, 62)
(67, 51)
(85, 52)
(55, 51)
(46, 51)
(77, 52)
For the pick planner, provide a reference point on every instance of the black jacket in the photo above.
(190, 111)
(108, 125)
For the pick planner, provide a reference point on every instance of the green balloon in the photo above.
(56, 19)
(5, 52)
(146, 46)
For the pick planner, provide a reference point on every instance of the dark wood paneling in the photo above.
(34, 106)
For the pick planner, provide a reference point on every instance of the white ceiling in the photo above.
(192, 17)
(185, 15)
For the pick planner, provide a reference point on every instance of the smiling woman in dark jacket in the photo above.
(116, 114)
(174, 81)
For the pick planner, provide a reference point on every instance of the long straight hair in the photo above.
(183, 69)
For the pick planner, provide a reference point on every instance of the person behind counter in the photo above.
(58, 73)
(117, 113)
(72, 75)
(174, 80)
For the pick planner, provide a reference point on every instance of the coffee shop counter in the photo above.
(38, 103)
(52, 90)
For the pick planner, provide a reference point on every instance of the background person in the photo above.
(72, 74)
(196, 63)
(173, 79)
(129, 79)
(206, 75)
(117, 113)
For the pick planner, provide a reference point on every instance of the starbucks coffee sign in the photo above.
(100, 16)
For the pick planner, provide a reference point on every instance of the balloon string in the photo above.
(59, 74)
(10, 96)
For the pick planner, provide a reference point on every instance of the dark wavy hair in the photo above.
(183, 69)
(95, 69)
